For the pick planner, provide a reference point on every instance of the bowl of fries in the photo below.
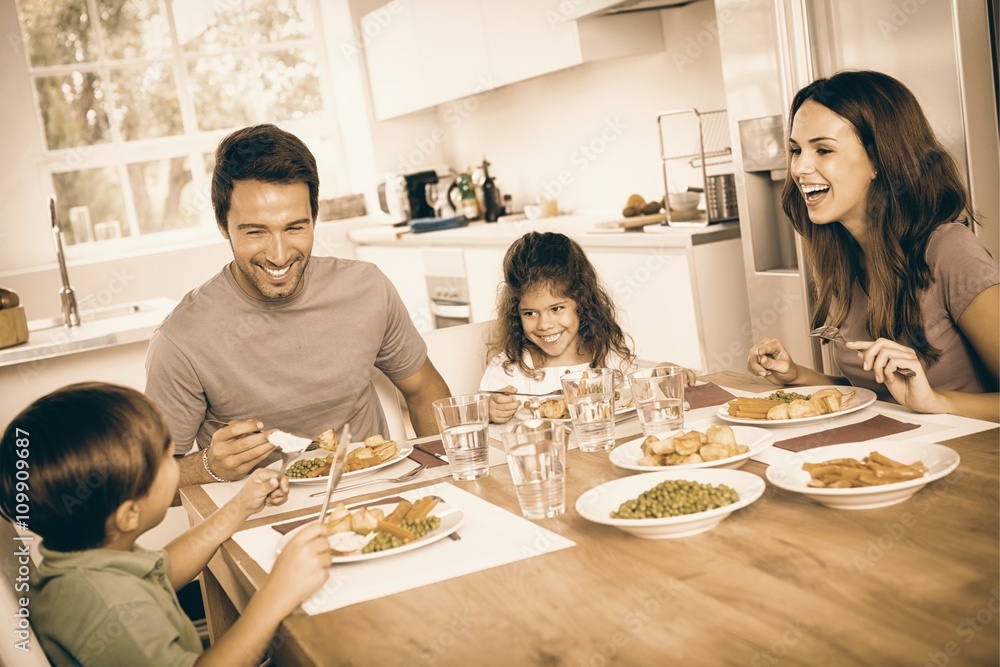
(863, 475)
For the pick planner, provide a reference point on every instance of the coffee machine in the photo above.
(404, 197)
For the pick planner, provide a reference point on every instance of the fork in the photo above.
(405, 477)
(832, 333)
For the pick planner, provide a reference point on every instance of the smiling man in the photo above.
(279, 339)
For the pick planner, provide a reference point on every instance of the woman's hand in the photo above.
(263, 487)
(770, 360)
(503, 406)
(884, 358)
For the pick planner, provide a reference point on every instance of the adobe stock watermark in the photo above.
(899, 15)
(372, 26)
(967, 629)
(454, 116)
(792, 635)
(696, 44)
(22, 552)
(585, 155)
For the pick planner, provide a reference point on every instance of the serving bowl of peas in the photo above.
(670, 503)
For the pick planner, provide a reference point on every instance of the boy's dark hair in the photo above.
(558, 262)
(72, 457)
(261, 153)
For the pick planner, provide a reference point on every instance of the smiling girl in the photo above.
(553, 317)
(885, 217)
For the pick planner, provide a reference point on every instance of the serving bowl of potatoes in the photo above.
(715, 446)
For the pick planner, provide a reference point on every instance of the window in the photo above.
(133, 96)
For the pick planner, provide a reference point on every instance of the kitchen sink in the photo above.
(90, 315)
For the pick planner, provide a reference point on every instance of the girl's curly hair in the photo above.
(555, 261)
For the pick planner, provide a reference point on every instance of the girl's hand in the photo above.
(884, 357)
(302, 568)
(770, 360)
(262, 487)
(502, 406)
(689, 377)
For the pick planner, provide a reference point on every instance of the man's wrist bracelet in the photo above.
(204, 462)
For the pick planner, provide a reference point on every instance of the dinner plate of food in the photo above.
(670, 503)
(793, 406)
(863, 475)
(363, 458)
(718, 446)
(387, 529)
(555, 407)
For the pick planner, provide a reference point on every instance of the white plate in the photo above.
(451, 517)
(862, 399)
(627, 455)
(597, 504)
(789, 475)
(403, 450)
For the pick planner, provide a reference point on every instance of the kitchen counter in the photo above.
(582, 227)
(101, 328)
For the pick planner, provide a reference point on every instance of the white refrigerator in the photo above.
(943, 50)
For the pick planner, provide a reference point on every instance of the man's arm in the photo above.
(419, 391)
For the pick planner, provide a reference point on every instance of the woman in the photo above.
(883, 213)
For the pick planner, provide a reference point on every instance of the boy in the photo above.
(94, 464)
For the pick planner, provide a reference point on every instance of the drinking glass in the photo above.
(536, 455)
(433, 196)
(464, 421)
(590, 395)
(659, 399)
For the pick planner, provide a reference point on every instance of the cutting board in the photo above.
(13, 326)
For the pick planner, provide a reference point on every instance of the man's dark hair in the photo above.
(263, 153)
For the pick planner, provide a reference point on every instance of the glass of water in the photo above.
(536, 455)
(590, 395)
(464, 421)
(659, 399)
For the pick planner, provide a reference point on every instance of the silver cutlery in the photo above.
(832, 334)
(405, 477)
(339, 460)
(557, 392)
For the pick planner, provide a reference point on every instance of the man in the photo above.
(277, 340)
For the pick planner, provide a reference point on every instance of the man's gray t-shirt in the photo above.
(301, 364)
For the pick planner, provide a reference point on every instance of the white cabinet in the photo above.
(421, 53)
(404, 266)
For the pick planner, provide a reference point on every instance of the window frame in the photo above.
(193, 143)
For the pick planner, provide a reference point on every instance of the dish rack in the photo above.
(702, 139)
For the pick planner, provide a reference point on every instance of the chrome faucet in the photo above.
(71, 314)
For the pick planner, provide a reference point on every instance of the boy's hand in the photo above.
(302, 567)
(770, 360)
(238, 447)
(503, 406)
(689, 376)
(263, 487)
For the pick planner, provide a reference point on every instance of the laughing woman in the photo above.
(885, 217)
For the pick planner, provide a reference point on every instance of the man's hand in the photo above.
(237, 448)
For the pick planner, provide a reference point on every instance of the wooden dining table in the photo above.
(784, 581)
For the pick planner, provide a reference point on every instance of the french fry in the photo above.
(399, 513)
(422, 508)
(395, 529)
(874, 470)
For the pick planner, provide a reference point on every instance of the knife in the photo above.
(425, 450)
(339, 460)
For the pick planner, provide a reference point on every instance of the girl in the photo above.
(553, 317)
(883, 212)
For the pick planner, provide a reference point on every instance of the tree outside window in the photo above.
(133, 94)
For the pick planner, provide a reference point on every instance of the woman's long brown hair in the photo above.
(555, 261)
(917, 188)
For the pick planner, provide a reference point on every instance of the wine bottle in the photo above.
(492, 201)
